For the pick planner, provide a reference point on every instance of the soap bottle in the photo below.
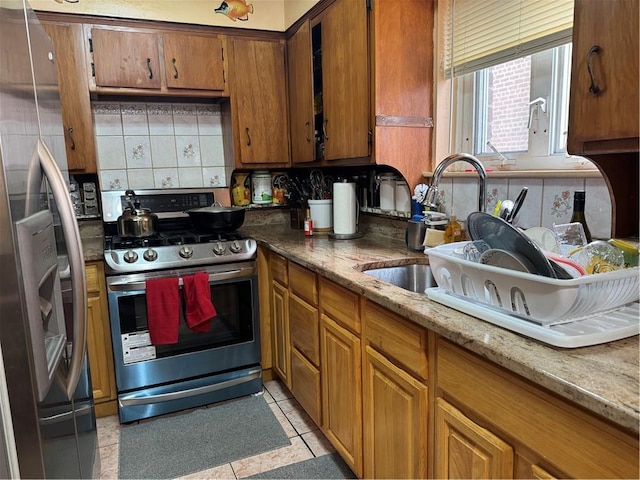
(578, 213)
(453, 231)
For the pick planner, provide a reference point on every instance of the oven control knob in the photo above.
(235, 247)
(186, 252)
(219, 249)
(150, 255)
(130, 256)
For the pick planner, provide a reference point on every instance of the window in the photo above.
(509, 64)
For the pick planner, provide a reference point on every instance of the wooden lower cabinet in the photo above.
(395, 420)
(99, 347)
(550, 436)
(280, 327)
(398, 401)
(341, 391)
(467, 450)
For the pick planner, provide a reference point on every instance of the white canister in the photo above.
(261, 187)
(403, 197)
(322, 215)
(388, 191)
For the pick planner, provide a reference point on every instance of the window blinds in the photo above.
(482, 33)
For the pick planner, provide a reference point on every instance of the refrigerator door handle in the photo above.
(76, 264)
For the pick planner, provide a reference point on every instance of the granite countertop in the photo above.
(602, 378)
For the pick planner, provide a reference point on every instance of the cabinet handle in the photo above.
(593, 88)
(175, 69)
(306, 131)
(248, 137)
(149, 68)
(73, 142)
(324, 129)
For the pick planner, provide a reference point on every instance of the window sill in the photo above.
(587, 173)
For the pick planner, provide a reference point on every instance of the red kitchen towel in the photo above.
(197, 297)
(163, 310)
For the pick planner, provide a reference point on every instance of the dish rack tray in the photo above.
(536, 299)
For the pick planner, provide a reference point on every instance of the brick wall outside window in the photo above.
(508, 110)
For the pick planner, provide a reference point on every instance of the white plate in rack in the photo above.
(596, 329)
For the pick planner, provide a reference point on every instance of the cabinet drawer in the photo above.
(278, 268)
(303, 327)
(340, 304)
(93, 272)
(305, 385)
(303, 283)
(396, 338)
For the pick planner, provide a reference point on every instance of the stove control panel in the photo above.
(141, 259)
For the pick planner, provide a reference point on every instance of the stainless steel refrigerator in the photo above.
(47, 414)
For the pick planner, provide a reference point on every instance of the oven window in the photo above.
(233, 324)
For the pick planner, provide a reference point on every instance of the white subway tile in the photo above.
(190, 177)
(110, 152)
(211, 151)
(163, 151)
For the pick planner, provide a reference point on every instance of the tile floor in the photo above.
(307, 441)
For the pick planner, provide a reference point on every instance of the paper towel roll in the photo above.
(345, 208)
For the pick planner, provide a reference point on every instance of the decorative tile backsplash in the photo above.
(548, 200)
(159, 145)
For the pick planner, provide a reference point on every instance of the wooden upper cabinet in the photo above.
(258, 102)
(403, 66)
(301, 96)
(75, 103)
(125, 59)
(604, 104)
(162, 61)
(194, 61)
(345, 80)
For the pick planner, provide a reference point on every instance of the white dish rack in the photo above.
(568, 313)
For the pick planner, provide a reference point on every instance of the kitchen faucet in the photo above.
(432, 192)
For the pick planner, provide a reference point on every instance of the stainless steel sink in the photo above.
(413, 277)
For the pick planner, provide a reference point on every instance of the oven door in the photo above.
(233, 342)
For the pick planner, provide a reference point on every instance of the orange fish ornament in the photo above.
(235, 9)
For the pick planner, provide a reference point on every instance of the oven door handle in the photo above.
(133, 399)
(130, 286)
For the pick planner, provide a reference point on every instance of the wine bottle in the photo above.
(578, 213)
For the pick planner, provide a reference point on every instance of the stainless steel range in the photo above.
(201, 366)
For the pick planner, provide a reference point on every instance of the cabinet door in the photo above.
(99, 336)
(259, 102)
(395, 420)
(301, 95)
(73, 86)
(280, 325)
(341, 387)
(193, 61)
(345, 76)
(605, 121)
(467, 450)
(125, 59)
